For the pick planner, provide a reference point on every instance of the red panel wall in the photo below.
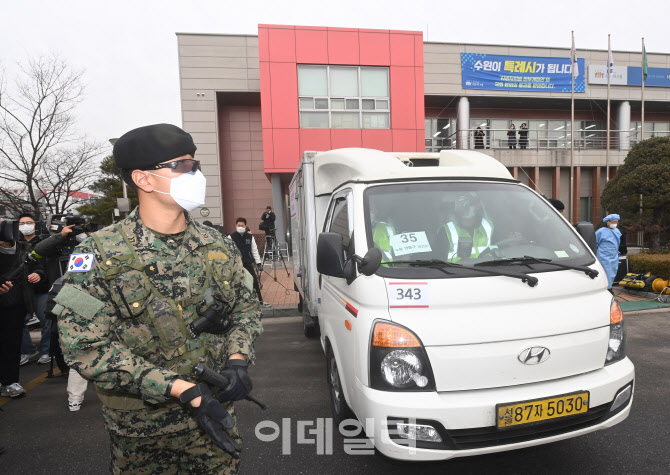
(282, 48)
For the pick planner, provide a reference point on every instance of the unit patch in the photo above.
(81, 262)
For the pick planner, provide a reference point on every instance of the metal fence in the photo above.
(540, 139)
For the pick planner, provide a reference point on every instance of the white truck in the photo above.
(459, 312)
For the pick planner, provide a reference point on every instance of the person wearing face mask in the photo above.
(132, 291)
(608, 239)
(246, 243)
(18, 276)
(29, 352)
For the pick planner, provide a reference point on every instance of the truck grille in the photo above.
(491, 436)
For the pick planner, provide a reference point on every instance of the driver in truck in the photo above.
(469, 233)
(382, 230)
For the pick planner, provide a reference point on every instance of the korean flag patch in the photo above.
(80, 262)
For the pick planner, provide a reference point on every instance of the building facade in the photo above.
(254, 103)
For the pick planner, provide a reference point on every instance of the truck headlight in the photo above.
(398, 360)
(616, 349)
(401, 368)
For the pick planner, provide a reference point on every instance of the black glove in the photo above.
(212, 418)
(239, 382)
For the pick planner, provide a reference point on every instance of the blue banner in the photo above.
(656, 77)
(520, 73)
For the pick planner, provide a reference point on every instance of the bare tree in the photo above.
(42, 158)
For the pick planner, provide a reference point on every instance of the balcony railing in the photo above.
(540, 140)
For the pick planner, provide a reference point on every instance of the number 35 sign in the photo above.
(408, 295)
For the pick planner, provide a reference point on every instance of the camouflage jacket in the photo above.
(123, 322)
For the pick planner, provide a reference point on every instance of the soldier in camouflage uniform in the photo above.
(131, 291)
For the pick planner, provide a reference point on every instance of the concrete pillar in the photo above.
(556, 183)
(595, 195)
(535, 178)
(515, 173)
(576, 195)
(623, 125)
(463, 124)
(278, 206)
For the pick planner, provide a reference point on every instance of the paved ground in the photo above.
(277, 284)
(42, 436)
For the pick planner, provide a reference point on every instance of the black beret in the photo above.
(150, 145)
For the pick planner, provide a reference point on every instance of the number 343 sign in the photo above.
(408, 295)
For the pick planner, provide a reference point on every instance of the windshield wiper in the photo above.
(440, 264)
(539, 260)
(432, 263)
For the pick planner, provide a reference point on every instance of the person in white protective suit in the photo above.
(608, 240)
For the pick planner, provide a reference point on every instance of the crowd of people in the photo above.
(35, 260)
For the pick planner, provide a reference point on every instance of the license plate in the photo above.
(539, 410)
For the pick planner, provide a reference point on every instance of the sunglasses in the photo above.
(180, 166)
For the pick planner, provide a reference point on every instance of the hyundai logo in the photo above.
(534, 355)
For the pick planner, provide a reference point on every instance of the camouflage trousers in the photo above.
(190, 451)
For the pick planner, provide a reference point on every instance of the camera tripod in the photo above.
(272, 249)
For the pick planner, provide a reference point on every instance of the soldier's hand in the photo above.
(214, 419)
(239, 382)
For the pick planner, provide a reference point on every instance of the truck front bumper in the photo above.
(466, 420)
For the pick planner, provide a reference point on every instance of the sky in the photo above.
(128, 49)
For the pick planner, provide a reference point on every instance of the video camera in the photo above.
(9, 230)
(58, 222)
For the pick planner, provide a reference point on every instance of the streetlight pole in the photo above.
(125, 188)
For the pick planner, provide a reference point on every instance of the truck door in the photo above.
(335, 293)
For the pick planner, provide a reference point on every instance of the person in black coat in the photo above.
(268, 219)
(19, 275)
(479, 138)
(523, 136)
(511, 136)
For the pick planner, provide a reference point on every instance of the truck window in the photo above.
(339, 222)
(468, 223)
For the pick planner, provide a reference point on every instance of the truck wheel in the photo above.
(311, 331)
(310, 325)
(338, 404)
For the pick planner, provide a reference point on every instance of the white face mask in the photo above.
(81, 237)
(27, 229)
(241, 230)
(188, 189)
(613, 226)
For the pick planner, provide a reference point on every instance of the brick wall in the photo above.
(245, 188)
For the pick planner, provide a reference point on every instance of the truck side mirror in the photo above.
(587, 232)
(330, 256)
(369, 264)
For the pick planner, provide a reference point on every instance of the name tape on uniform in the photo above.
(410, 243)
(81, 262)
(408, 295)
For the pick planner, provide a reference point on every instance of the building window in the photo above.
(343, 97)
(651, 129)
(440, 134)
(585, 208)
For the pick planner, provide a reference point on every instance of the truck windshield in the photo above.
(470, 223)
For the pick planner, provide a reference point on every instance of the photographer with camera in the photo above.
(20, 274)
(268, 219)
(70, 232)
(29, 353)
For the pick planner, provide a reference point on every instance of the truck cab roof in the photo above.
(336, 167)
